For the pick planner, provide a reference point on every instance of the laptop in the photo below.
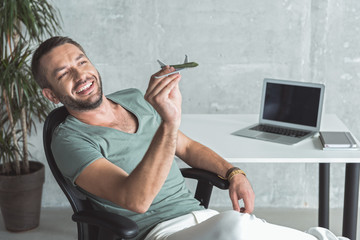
(290, 112)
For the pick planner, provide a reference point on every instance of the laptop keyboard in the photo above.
(279, 130)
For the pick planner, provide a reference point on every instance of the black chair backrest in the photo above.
(76, 198)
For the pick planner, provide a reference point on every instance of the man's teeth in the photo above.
(84, 87)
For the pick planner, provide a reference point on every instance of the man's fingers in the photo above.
(166, 89)
(163, 71)
(162, 87)
(248, 203)
(156, 84)
(248, 200)
(248, 207)
(235, 202)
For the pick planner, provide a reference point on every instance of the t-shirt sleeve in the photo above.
(73, 153)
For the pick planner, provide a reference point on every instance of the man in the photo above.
(119, 150)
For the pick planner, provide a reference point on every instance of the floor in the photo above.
(56, 223)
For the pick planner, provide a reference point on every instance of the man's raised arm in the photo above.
(137, 190)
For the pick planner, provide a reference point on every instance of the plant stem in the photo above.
(13, 133)
(24, 134)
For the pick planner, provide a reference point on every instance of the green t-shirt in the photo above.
(75, 145)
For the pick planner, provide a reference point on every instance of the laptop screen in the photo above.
(292, 102)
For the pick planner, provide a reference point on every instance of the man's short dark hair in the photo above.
(42, 50)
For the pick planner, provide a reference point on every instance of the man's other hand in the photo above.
(240, 188)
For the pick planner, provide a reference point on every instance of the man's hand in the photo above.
(164, 95)
(240, 188)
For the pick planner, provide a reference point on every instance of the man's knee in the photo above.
(247, 227)
(235, 225)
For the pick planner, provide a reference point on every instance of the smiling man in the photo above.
(69, 62)
(119, 150)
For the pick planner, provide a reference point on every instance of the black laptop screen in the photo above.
(291, 104)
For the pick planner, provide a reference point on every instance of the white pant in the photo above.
(230, 225)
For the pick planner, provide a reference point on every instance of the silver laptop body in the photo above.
(290, 112)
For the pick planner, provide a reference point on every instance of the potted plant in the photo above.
(23, 23)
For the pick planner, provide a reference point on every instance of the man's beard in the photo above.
(79, 105)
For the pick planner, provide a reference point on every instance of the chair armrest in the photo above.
(203, 175)
(120, 225)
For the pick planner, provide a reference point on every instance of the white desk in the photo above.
(214, 131)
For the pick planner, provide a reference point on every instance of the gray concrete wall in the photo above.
(237, 43)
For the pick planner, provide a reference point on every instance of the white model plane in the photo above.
(178, 67)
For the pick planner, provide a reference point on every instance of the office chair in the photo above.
(94, 224)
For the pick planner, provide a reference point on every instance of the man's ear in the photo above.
(49, 94)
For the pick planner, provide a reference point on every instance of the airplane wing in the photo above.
(161, 63)
(164, 65)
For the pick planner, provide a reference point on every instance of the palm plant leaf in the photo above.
(38, 17)
(22, 23)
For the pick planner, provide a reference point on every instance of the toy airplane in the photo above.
(178, 67)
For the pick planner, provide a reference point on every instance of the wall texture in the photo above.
(237, 43)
